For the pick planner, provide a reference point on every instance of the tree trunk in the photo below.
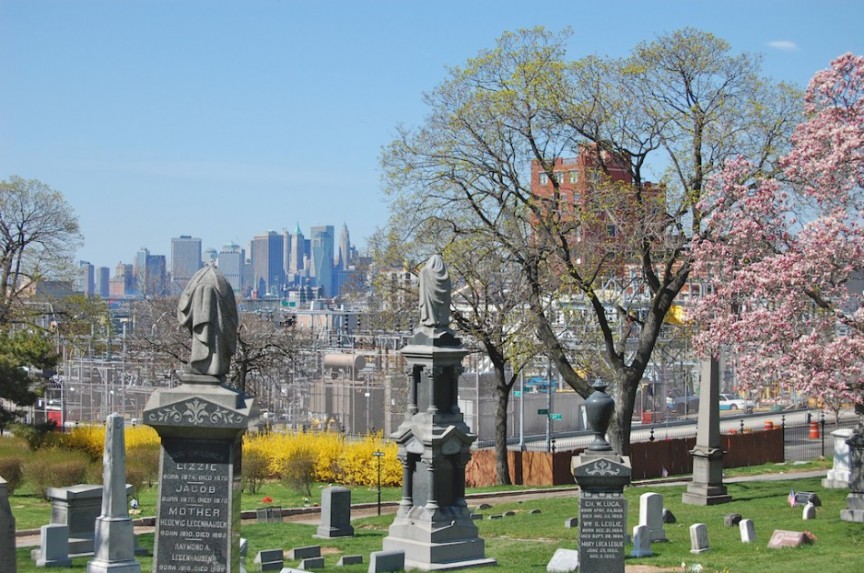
(502, 466)
(622, 422)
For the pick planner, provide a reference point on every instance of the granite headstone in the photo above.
(7, 531)
(335, 513)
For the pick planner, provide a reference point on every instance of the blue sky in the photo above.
(223, 120)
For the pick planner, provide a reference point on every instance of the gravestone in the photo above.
(707, 486)
(698, 538)
(305, 552)
(732, 519)
(77, 507)
(386, 561)
(855, 500)
(809, 512)
(349, 560)
(335, 513)
(839, 474)
(201, 424)
(601, 475)
(272, 514)
(651, 514)
(311, 563)
(7, 531)
(781, 538)
(747, 530)
(269, 560)
(244, 551)
(563, 561)
(641, 542)
(114, 540)
(805, 497)
(668, 516)
(53, 546)
(571, 522)
(433, 526)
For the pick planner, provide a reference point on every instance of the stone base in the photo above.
(437, 548)
(854, 515)
(704, 494)
(829, 483)
(329, 532)
(54, 562)
(97, 566)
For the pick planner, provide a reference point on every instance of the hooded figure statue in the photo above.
(208, 310)
(435, 294)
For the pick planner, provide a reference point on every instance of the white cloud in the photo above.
(784, 45)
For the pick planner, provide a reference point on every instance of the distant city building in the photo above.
(103, 282)
(211, 256)
(85, 278)
(298, 252)
(185, 261)
(231, 261)
(344, 259)
(266, 255)
(150, 274)
(322, 238)
(123, 283)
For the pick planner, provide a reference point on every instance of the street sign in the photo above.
(517, 393)
(556, 416)
(543, 411)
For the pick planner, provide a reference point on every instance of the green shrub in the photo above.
(11, 470)
(255, 470)
(56, 468)
(142, 465)
(298, 471)
(38, 436)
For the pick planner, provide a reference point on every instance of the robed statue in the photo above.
(435, 294)
(208, 310)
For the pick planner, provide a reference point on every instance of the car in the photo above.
(683, 405)
(732, 402)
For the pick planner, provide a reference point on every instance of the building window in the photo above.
(559, 176)
(544, 179)
(574, 176)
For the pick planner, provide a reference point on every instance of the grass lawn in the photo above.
(526, 542)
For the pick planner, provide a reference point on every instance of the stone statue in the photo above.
(208, 310)
(435, 294)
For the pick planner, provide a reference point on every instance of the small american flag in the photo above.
(791, 497)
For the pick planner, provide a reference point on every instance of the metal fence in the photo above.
(812, 439)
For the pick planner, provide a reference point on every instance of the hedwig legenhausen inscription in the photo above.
(194, 507)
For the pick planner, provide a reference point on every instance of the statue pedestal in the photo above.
(433, 525)
(201, 425)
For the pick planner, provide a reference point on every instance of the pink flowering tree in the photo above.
(785, 255)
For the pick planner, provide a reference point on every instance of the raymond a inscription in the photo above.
(602, 519)
(194, 507)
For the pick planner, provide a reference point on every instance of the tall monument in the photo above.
(201, 424)
(433, 525)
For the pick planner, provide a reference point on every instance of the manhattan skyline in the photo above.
(157, 119)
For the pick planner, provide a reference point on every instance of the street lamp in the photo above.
(378, 454)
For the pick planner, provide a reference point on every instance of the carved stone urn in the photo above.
(599, 408)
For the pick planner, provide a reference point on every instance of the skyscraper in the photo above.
(231, 259)
(86, 278)
(266, 254)
(298, 251)
(344, 249)
(149, 271)
(322, 243)
(185, 261)
(103, 277)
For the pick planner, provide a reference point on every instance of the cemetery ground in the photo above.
(526, 541)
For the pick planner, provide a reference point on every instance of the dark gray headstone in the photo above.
(509, 513)
(299, 553)
(349, 560)
(698, 538)
(476, 517)
(7, 531)
(311, 563)
(384, 561)
(732, 519)
(603, 519)
(335, 513)
(261, 515)
(668, 516)
(805, 497)
(535, 512)
(571, 522)
(496, 516)
(77, 507)
(54, 546)
(269, 560)
(484, 506)
(563, 561)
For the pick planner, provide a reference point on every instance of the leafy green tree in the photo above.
(683, 100)
(23, 355)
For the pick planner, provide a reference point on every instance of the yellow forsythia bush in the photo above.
(91, 439)
(337, 460)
